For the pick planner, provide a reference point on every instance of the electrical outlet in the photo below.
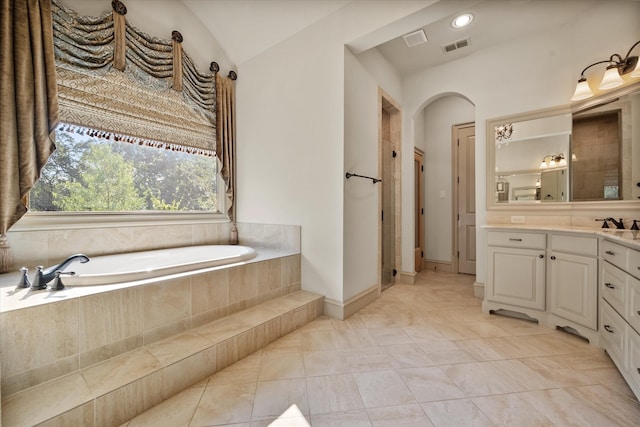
(517, 219)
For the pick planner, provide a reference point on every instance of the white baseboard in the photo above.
(344, 310)
(438, 266)
(478, 290)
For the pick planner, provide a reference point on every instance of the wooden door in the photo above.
(418, 167)
(465, 140)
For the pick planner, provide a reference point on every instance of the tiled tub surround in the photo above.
(46, 334)
(44, 246)
(116, 390)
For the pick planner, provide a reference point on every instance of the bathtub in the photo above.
(129, 267)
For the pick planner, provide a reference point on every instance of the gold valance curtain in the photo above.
(28, 106)
(227, 138)
(114, 78)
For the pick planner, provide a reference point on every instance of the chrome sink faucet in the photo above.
(45, 276)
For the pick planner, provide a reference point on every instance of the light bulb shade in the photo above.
(563, 162)
(611, 78)
(636, 71)
(583, 91)
(552, 163)
(543, 164)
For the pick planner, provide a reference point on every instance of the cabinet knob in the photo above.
(609, 253)
(638, 369)
(553, 257)
(609, 285)
(638, 312)
(540, 256)
(608, 329)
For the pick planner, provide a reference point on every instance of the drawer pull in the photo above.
(609, 252)
(608, 329)
(553, 257)
(609, 285)
(515, 240)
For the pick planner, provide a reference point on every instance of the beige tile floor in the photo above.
(421, 355)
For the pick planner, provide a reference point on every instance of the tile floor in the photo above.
(421, 355)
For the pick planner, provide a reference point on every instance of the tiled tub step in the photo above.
(114, 391)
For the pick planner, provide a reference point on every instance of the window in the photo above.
(94, 174)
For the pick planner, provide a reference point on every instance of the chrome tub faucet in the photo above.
(47, 275)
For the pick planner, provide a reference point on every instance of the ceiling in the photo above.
(247, 27)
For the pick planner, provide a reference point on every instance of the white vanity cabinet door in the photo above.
(633, 303)
(612, 333)
(516, 277)
(573, 288)
(633, 359)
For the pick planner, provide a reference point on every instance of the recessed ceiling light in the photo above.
(462, 20)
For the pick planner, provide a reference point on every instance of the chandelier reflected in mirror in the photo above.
(503, 134)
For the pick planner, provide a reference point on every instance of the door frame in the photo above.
(419, 207)
(387, 103)
(455, 154)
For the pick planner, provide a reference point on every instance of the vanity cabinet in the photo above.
(516, 269)
(549, 276)
(620, 309)
(573, 278)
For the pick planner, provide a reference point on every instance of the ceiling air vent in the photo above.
(456, 45)
(415, 38)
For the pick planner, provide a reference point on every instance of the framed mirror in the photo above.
(566, 156)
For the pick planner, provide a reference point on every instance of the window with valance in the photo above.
(119, 85)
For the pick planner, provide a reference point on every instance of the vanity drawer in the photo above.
(578, 245)
(517, 239)
(614, 253)
(612, 332)
(612, 286)
(633, 301)
(633, 263)
(633, 356)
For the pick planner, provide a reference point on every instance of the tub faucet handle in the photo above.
(634, 226)
(57, 284)
(39, 281)
(24, 279)
(605, 224)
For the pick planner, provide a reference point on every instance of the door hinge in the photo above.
(422, 254)
(458, 142)
(395, 272)
(381, 215)
(422, 211)
(394, 154)
(458, 180)
(422, 168)
(458, 254)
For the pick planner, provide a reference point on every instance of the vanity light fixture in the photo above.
(617, 67)
(553, 160)
(462, 20)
